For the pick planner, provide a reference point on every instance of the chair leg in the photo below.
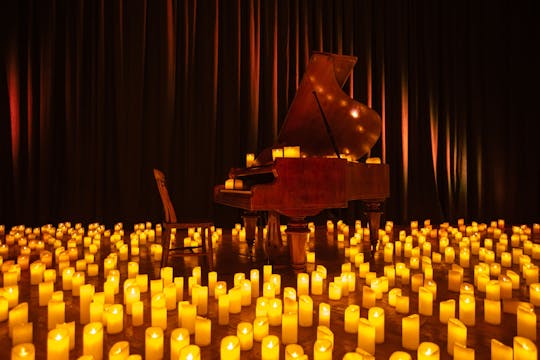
(209, 251)
(165, 244)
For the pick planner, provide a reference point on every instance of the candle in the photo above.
(456, 334)
(400, 355)
(203, 331)
(230, 348)
(428, 351)
(305, 311)
(260, 328)
(67, 276)
(223, 309)
(324, 314)
(492, 311)
(322, 349)
(22, 333)
(190, 352)
(235, 300)
(500, 351)
(114, 318)
(524, 348)
(376, 317)
(18, 315)
(462, 352)
(158, 311)
(131, 295)
(369, 297)
(244, 332)
(119, 351)
(55, 313)
(179, 340)
(153, 345)
(366, 335)
(188, 315)
(245, 292)
(274, 311)
(316, 283)
(45, 290)
(447, 310)
(93, 340)
(289, 328)
(220, 289)
(352, 315)
(410, 332)
(277, 153)
(58, 344)
(526, 321)
(467, 309)
(302, 284)
(25, 351)
(392, 295)
(534, 294)
(334, 290)
(261, 307)
(294, 352)
(254, 278)
(425, 301)
(402, 304)
(291, 151)
(250, 158)
(270, 348)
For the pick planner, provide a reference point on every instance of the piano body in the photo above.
(332, 131)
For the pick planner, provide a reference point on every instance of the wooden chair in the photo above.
(170, 222)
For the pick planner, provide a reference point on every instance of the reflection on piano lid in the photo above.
(354, 127)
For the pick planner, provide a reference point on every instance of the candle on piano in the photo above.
(277, 153)
(250, 158)
(291, 151)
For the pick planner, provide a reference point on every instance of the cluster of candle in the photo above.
(411, 259)
(286, 151)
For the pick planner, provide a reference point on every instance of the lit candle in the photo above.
(369, 297)
(376, 317)
(324, 314)
(245, 286)
(366, 336)
(158, 311)
(223, 309)
(274, 311)
(56, 311)
(322, 349)
(492, 311)
(526, 321)
(289, 328)
(190, 352)
(534, 294)
(230, 348)
(188, 315)
(67, 276)
(267, 271)
(456, 334)
(524, 348)
(399, 355)
(203, 331)
(316, 283)
(352, 315)
(305, 311)
(220, 289)
(260, 328)
(244, 332)
(402, 304)
(425, 301)
(428, 351)
(22, 333)
(235, 300)
(114, 318)
(294, 352)
(58, 344)
(447, 310)
(254, 278)
(93, 340)
(334, 290)
(462, 352)
(291, 151)
(119, 351)
(179, 340)
(153, 345)
(392, 295)
(467, 309)
(302, 284)
(410, 332)
(24, 351)
(18, 315)
(250, 158)
(270, 348)
(500, 351)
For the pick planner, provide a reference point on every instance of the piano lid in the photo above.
(354, 127)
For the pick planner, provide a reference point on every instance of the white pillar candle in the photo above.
(58, 344)
(428, 351)
(467, 309)
(526, 321)
(324, 314)
(25, 351)
(254, 278)
(244, 332)
(270, 348)
(153, 344)
(366, 336)
(179, 339)
(352, 315)
(456, 334)
(203, 331)
(93, 340)
(500, 351)
(289, 328)
(492, 311)
(410, 332)
(425, 301)
(377, 318)
(260, 328)
(524, 348)
(230, 348)
(305, 311)
(322, 349)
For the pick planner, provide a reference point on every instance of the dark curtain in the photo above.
(94, 94)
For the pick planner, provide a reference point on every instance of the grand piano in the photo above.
(331, 133)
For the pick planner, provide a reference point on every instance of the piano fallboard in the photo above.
(299, 187)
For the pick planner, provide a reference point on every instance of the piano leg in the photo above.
(273, 240)
(297, 236)
(250, 224)
(373, 210)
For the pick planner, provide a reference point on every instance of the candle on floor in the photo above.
(93, 340)
(119, 351)
(302, 284)
(274, 311)
(492, 311)
(260, 328)
(270, 348)
(425, 301)
(500, 351)
(190, 352)
(25, 351)
(526, 321)
(352, 315)
(369, 297)
(447, 310)
(402, 304)
(203, 331)
(289, 328)
(17, 315)
(324, 314)
(410, 332)
(524, 348)
(428, 351)
(366, 336)
(305, 311)
(56, 312)
(534, 294)
(456, 334)
(230, 348)
(223, 309)
(400, 355)
(294, 352)
(188, 315)
(22, 333)
(114, 318)
(153, 345)
(316, 283)
(377, 318)
(58, 344)
(254, 278)
(462, 352)
(467, 309)
(322, 349)
(179, 339)
(244, 332)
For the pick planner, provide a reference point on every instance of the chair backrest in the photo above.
(168, 208)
